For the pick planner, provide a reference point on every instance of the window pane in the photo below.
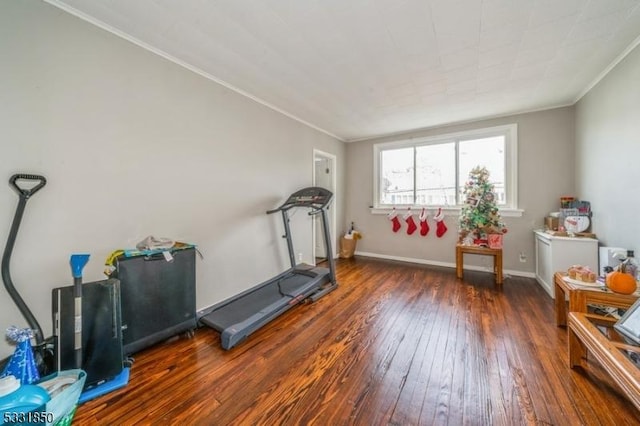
(487, 152)
(436, 174)
(396, 176)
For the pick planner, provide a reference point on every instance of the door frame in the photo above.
(332, 208)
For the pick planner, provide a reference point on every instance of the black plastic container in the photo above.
(158, 297)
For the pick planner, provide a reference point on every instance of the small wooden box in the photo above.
(551, 223)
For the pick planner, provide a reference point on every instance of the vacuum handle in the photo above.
(27, 192)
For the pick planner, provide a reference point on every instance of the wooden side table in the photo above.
(609, 349)
(496, 253)
(579, 297)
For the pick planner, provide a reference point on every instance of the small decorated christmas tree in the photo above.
(479, 215)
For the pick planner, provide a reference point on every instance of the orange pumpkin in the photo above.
(621, 282)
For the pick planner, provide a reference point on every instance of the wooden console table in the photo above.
(496, 253)
(581, 296)
(607, 347)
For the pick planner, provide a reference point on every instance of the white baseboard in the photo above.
(444, 264)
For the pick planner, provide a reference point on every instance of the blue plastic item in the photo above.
(65, 388)
(22, 364)
(16, 398)
(78, 262)
(120, 381)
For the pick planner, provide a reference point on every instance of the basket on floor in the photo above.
(65, 388)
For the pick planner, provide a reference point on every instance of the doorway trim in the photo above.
(332, 208)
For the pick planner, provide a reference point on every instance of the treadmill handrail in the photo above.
(316, 209)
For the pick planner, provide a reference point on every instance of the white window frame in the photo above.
(509, 131)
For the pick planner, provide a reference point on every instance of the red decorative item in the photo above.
(393, 217)
(441, 227)
(495, 241)
(424, 225)
(411, 224)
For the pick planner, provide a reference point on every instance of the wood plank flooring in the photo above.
(395, 344)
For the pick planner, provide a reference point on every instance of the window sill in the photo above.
(448, 211)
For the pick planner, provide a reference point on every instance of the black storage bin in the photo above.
(158, 297)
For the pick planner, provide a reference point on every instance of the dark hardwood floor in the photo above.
(395, 344)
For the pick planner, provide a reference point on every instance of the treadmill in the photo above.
(239, 316)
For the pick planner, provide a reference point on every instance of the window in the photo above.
(433, 171)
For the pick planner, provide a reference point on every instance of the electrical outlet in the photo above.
(299, 257)
(523, 257)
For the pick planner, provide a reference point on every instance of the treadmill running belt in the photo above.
(241, 309)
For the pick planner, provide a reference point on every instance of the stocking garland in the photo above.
(411, 224)
(441, 227)
(393, 217)
(424, 225)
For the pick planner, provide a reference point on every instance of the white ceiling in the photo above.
(357, 69)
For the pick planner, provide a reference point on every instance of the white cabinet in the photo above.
(554, 254)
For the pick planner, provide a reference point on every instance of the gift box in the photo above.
(495, 241)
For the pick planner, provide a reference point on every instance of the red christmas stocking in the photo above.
(424, 225)
(393, 217)
(441, 228)
(410, 223)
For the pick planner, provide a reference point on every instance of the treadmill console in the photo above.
(310, 197)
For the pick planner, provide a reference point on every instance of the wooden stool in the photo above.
(496, 253)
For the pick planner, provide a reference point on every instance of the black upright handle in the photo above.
(24, 194)
(27, 192)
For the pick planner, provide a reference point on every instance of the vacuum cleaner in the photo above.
(26, 185)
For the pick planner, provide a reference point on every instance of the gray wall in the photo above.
(608, 153)
(134, 145)
(546, 168)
